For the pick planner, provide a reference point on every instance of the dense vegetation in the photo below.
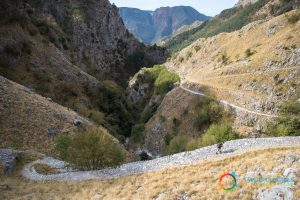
(227, 21)
(213, 122)
(288, 124)
(90, 150)
(160, 82)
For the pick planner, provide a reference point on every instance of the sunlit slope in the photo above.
(256, 67)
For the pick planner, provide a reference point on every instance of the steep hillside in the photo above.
(77, 53)
(231, 20)
(152, 26)
(255, 68)
(32, 122)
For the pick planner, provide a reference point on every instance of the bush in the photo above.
(165, 81)
(181, 59)
(189, 55)
(218, 133)
(168, 137)
(148, 113)
(294, 18)
(224, 59)
(177, 144)
(192, 145)
(62, 144)
(97, 117)
(207, 111)
(90, 150)
(249, 53)
(197, 48)
(288, 124)
(137, 132)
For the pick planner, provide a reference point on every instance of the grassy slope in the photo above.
(223, 65)
(227, 21)
(196, 181)
(26, 118)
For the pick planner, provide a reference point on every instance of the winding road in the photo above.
(238, 108)
(230, 148)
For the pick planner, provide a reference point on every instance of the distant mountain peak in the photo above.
(151, 26)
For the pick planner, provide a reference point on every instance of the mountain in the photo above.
(150, 26)
(79, 54)
(255, 74)
(230, 20)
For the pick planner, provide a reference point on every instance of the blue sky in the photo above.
(207, 7)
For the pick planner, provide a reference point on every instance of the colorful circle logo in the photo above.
(233, 179)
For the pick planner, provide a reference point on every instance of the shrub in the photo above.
(197, 48)
(249, 53)
(165, 81)
(162, 118)
(224, 59)
(97, 116)
(137, 132)
(62, 144)
(189, 55)
(218, 133)
(207, 111)
(192, 145)
(294, 18)
(90, 150)
(181, 59)
(148, 112)
(177, 144)
(288, 124)
(168, 137)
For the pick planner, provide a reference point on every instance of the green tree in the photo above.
(177, 144)
(218, 133)
(90, 150)
(62, 144)
(288, 122)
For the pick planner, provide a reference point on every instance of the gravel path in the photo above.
(238, 108)
(230, 148)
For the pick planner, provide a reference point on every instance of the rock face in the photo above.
(68, 50)
(150, 26)
(91, 35)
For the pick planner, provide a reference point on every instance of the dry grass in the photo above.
(273, 41)
(44, 169)
(197, 181)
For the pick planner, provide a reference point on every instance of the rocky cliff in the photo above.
(78, 53)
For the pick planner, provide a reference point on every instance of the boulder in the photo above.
(276, 193)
